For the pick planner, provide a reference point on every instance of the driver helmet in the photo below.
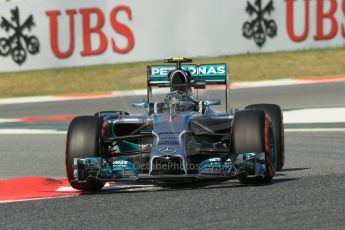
(179, 80)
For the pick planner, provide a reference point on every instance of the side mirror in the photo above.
(212, 102)
(139, 104)
(199, 85)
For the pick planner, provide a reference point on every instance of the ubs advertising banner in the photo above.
(42, 34)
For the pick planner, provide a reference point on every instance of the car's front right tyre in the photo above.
(83, 140)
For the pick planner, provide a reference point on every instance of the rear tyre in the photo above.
(276, 116)
(252, 132)
(83, 140)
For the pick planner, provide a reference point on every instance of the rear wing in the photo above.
(211, 74)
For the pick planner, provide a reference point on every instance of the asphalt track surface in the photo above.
(308, 194)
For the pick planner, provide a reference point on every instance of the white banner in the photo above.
(42, 34)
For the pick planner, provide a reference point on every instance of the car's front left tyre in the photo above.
(252, 132)
(276, 117)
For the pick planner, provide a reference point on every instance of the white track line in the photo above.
(7, 120)
(317, 115)
(31, 131)
(40, 198)
(315, 130)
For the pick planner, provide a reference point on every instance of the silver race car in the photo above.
(178, 139)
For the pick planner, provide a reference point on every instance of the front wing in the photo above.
(117, 170)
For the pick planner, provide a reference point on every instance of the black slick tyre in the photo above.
(83, 140)
(276, 116)
(252, 132)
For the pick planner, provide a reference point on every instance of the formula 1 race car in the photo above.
(178, 139)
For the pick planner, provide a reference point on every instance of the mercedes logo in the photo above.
(167, 150)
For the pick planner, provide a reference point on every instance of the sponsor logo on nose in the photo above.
(167, 150)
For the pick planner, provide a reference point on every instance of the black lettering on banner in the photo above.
(18, 43)
(261, 26)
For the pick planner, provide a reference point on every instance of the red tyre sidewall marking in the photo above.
(66, 162)
(269, 166)
(282, 140)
